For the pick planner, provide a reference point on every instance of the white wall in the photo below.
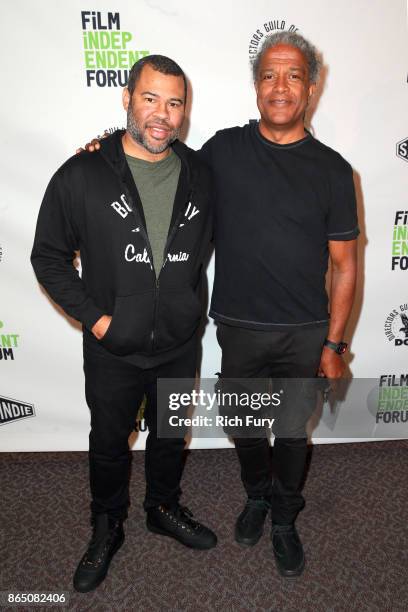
(47, 111)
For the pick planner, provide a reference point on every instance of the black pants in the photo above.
(258, 354)
(114, 391)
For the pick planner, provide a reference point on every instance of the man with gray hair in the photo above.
(285, 204)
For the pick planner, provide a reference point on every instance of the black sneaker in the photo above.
(249, 525)
(107, 538)
(178, 523)
(288, 550)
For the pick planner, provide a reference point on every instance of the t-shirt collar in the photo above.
(275, 145)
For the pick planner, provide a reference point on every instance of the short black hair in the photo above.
(162, 64)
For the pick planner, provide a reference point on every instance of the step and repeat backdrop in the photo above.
(63, 69)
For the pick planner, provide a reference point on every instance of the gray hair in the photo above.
(294, 40)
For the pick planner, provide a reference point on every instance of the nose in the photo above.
(162, 110)
(281, 83)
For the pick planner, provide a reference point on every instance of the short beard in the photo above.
(138, 134)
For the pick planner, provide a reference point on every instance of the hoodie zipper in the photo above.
(169, 240)
(146, 238)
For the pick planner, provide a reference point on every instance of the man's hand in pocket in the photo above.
(101, 326)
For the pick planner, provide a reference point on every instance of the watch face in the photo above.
(342, 347)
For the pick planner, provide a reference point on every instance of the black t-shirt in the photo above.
(277, 206)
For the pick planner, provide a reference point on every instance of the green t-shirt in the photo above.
(156, 183)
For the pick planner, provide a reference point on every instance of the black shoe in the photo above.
(178, 523)
(249, 525)
(288, 550)
(106, 540)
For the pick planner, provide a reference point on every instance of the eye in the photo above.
(267, 77)
(149, 99)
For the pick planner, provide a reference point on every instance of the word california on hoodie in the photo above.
(92, 205)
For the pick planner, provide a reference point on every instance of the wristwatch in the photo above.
(337, 347)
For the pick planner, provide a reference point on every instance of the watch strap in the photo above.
(337, 347)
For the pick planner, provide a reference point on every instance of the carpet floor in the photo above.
(354, 529)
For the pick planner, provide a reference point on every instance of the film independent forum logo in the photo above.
(399, 248)
(8, 343)
(388, 401)
(108, 51)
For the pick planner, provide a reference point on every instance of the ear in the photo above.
(256, 85)
(125, 98)
(312, 89)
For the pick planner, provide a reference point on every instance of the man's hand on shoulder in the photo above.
(94, 145)
(101, 326)
(331, 364)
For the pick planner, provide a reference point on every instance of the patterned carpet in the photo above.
(354, 529)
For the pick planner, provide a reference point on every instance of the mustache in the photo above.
(161, 122)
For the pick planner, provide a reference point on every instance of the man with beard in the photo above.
(139, 213)
(285, 205)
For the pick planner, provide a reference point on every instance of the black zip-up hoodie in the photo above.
(92, 205)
